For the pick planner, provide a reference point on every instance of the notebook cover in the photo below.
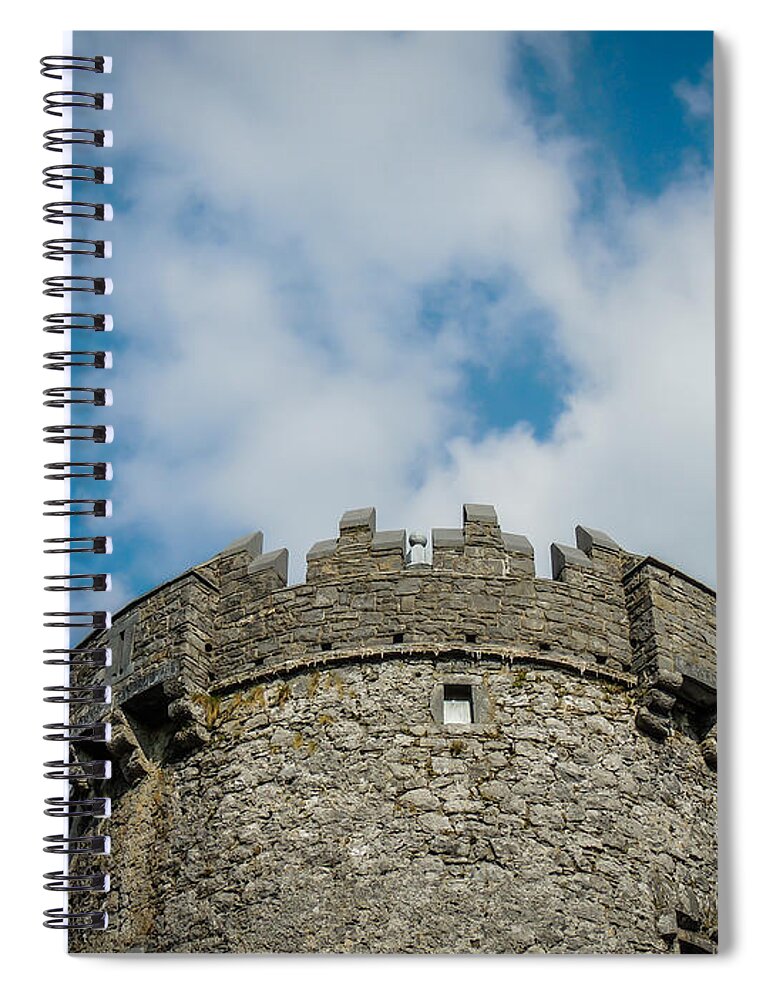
(400, 312)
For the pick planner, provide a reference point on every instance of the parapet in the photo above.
(234, 616)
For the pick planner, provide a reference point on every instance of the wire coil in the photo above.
(58, 361)
(60, 433)
(75, 770)
(101, 471)
(57, 138)
(57, 100)
(59, 249)
(83, 695)
(86, 173)
(54, 66)
(99, 545)
(58, 211)
(64, 882)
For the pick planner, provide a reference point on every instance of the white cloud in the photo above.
(276, 374)
(698, 98)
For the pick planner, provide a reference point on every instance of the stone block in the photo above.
(651, 724)
(322, 550)
(421, 798)
(668, 680)
(563, 556)
(361, 519)
(517, 544)
(482, 513)
(699, 686)
(448, 538)
(590, 538)
(277, 562)
(389, 541)
(251, 544)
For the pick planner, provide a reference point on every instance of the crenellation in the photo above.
(518, 545)
(368, 592)
(358, 525)
(481, 529)
(567, 563)
(272, 568)
(389, 551)
(590, 539)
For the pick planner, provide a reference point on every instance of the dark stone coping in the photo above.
(436, 651)
(659, 564)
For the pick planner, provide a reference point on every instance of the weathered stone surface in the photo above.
(652, 724)
(484, 513)
(590, 538)
(288, 776)
(660, 701)
(444, 538)
(567, 555)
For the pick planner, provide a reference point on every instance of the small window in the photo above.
(458, 703)
(325, 647)
(398, 638)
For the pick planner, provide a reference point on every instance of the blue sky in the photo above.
(411, 271)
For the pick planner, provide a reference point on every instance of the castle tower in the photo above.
(419, 756)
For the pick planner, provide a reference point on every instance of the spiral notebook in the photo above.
(348, 333)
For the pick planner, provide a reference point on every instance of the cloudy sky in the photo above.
(410, 270)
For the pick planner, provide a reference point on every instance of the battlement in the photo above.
(478, 548)
(234, 615)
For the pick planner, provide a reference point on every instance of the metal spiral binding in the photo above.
(84, 807)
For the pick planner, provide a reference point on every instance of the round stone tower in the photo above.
(447, 754)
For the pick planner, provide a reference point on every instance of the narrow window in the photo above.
(458, 703)
(398, 638)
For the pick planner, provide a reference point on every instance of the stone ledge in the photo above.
(699, 683)
(672, 570)
(436, 651)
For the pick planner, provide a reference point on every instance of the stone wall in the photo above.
(285, 779)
